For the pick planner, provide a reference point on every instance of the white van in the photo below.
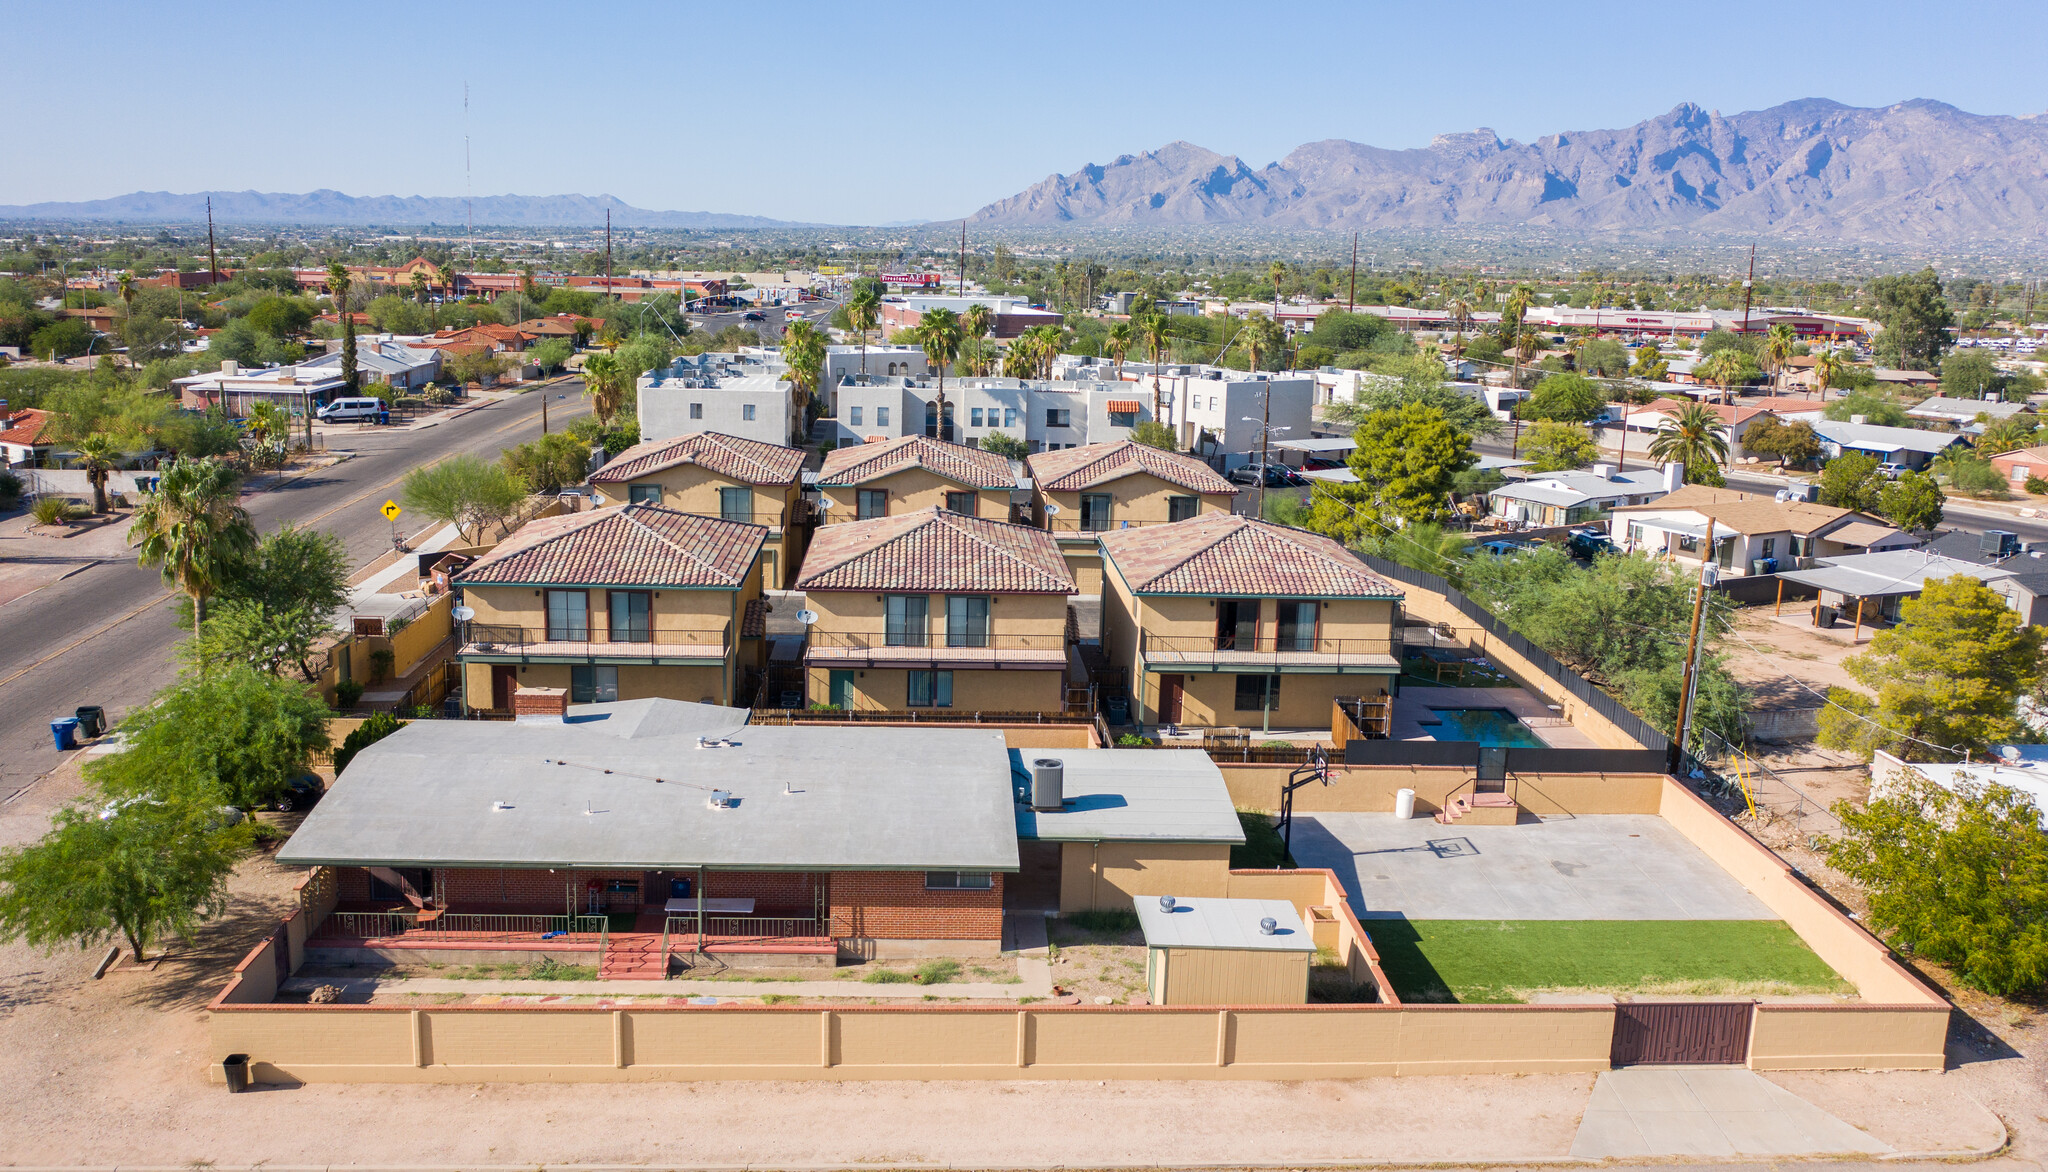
(345, 410)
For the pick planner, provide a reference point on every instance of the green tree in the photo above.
(1947, 678)
(550, 463)
(1156, 330)
(1778, 347)
(1649, 364)
(281, 317)
(247, 634)
(1851, 481)
(1556, 447)
(463, 491)
(1957, 876)
(1564, 398)
(1792, 443)
(98, 456)
(550, 355)
(1969, 472)
(192, 527)
(864, 313)
(338, 287)
(1970, 375)
(1417, 379)
(65, 338)
(270, 430)
(1410, 457)
(1693, 436)
(1915, 318)
(1828, 368)
(1003, 444)
(242, 732)
(2006, 435)
(604, 380)
(1881, 412)
(803, 351)
(1262, 339)
(939, 334)
(1154, 434)
(1117, 343)
(1912, 502)
(1604, 357)
(376, 728)
(1725, 369)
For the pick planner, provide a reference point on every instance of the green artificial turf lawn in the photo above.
(1506, 960)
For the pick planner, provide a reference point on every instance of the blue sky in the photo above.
(869, 113)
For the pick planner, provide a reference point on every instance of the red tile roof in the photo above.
(1072, 469)
(1226, 554)
(25, 428)
(1123, 406)
(626, 545)
(935, 551)
(955, 462)
(745, 460)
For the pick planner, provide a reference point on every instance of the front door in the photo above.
(504, 680)
(842, 690)
(1172, 689)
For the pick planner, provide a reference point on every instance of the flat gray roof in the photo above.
(1127, 795)
(808, 798)
(1222, 923)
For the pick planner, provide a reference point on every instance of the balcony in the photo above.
(658, 644)
(1066, 524)
(936, 650)
(1268, 652)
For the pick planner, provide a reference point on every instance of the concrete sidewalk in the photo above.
(1721, 1112)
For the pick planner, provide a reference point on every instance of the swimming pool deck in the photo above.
(1412, 707)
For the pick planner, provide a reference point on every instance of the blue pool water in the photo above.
(1488, 726)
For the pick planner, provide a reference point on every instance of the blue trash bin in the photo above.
(383, 417)
(65, 733)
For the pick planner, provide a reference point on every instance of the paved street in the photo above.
(105, 635)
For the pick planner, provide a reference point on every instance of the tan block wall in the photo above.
(1084, 562)
(636, 682)
(1209, 699)
(1372, 789)
(911, 490)
(1215, 976)
(1111, 874)
(695, 489)
(888, 690)
(1342, 618)
(669, 610)
(1138, 498)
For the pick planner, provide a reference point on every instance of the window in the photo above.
(1212, 402)
(593, 683)
(644, 494)
(1058, 417)
(1123, 419)
(568, 616)
(930, 689)
(1688, 543)
(1297, 623)
(874, 502)
(1182, 508)
(1258, 693)
(736, 504)
(853, 416)
(960, 502)
(904, 619)
(966, 620)
(629, 615)
(974, 416)
(1009, 417)
(959, 881)
(696, 410)
(1095, 508)
(1770, 547)
(747, 412)
(881, 417)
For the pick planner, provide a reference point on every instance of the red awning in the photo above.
(1123, 406)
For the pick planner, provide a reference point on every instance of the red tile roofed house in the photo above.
(2017, 466)
(22, 437)
(1086, 490)
(914, 472)
(564, 327)
(616, 604)
(1223, 620)
(1644, 422)
(717, 475)
(934, 609)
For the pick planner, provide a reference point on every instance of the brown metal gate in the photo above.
(1697, 1033)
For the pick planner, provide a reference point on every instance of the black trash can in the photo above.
(92, 720)
(236, 1068)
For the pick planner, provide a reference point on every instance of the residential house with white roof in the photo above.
(1572, 498)
(1752, 533)
(1871, 587)
(1902, 445)
(1962, 414)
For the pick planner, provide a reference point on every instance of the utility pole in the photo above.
(607, 255)
(1352, 303)
(212, 262)
(1265, 442)
(1690, 681)
(963, 258)
(1748, 285)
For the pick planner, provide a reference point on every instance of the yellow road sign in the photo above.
(390, 510)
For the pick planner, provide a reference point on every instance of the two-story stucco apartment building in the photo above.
(1224, 620)
(1082, 492)
(723, 476)
(915, 472)
(618, 603)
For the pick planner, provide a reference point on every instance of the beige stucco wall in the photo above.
(1372, 789)
(910, 490)
(1209, 699)
(636, 682)
(1219, 976)
(1041, 619)
(694, 489)
(1140, 498)
(888, 689)
(677, 616)
(1110, 874)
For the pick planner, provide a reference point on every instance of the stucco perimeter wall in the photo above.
(1371, 789)
(597, 1044)
(1901, 1023)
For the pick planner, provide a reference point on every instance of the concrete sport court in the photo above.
(1596, 867)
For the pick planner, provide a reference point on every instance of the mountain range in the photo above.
(333, 207)
(1914, 173)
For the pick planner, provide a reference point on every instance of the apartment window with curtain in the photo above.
(930, 689)
(1095, 510)
(644, 494)
(958, 881)
(1009, 417)
(1058, 417)
(967, 620)
(696, 410)
(1182, 508)
(904, 619)
(747, 412)
(853, 416)
(881, 417)
(568, 616)
(736, 504)
(1297, 624)
(1258, 693)
(631, 616)
(593, 683)
(874, 502)
(960, 502)
(974, 417)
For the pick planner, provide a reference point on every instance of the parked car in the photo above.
(1498, 547)
(1273, 475)
(300, 793)
(344, 410)
(1893, 469)
(1588, 543)
(750, 316)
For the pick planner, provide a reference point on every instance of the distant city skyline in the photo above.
(814, 112)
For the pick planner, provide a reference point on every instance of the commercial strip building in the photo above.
(1008, 316)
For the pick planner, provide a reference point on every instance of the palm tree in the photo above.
(1152, 327)
(191, 527)
(1722, 369)
(803, 351)
(1693, 437)
(1517, 338)
(1827, 370)
(604, 380)
(976, 322)
(419, 286)
(98, 456)
(938, 332)
(1118, 344)
(268, 424)
(1047, 349)
(1778, 346)
(337, 286)
(863, 313)
(1461, 312)
(1262, 337)
(1277, 272)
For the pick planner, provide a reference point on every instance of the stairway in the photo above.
(1485, 809)
(633, 956)
(1451, 813)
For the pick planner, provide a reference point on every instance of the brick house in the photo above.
(1083, 491)
(912, 473)
(937, 609)
(715, 475)
(1224, 620)
(617, 603)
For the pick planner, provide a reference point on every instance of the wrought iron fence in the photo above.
(415, 924)
(730, 929)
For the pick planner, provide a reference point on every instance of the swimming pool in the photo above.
(1488, 726)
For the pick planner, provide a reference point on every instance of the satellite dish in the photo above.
(463, 613)
(824, 502)
(1051, 509)
(807, 617)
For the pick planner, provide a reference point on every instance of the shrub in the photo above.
(1131, 741)
(1106, 921)
(381, 662)
(379, 726)
(347, 692)
(2037, 486)
(10, 485)
(439, 396)
(52, 510)
(937, 972)
(889, 977)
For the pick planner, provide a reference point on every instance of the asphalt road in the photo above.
(106, 636)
